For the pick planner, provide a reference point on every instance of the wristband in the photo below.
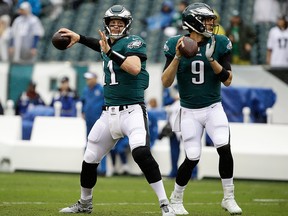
(177, 57)
(116, 57)
(223, 75)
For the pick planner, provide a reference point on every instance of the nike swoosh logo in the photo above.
(130, 111)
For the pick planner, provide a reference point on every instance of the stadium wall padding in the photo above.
(14, 79)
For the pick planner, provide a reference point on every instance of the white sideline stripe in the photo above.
(22, 203)
(270, 200)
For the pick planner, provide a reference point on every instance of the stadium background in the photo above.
(87, 19)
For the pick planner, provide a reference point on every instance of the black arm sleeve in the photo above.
(225, 60)
(90, 42)
(168, 61)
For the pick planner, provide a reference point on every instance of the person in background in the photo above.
(277, 44)
(57, 8)
(5, 37)
(36, 6)
(120, 149)
(67, 97)
(28, 100)
(171, 105)
(242, 37)
(26, 30)
(4, 8)
(162, 19)
(92, 99)
(219, 29)
(266, 11)
(199, 81)
(177, 16)
(1, 109)
(153, 120)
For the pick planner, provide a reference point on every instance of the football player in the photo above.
(199, 82)
(124, 60)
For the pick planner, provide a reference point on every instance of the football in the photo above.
(60, 42)
(188, 47)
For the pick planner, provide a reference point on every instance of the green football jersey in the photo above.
(197, 83)
(120, 87)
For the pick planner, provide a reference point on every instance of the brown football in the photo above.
(188, 47)
(60, 42)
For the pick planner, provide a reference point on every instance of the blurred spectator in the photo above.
(153, 120)
(10, 2)
(5, 37)
(67, 97)
(27, 30)
(242, 37)
(120, 149)
(266, 11)
(93, 101)
(172, 106)
(57, 8)
(28, 100)
(277, 44)
(176, 25)
(1, 109)
(4, 8)
(35, 6)
(29, 116)
(162, 19)
(219, 29)
(75, 3)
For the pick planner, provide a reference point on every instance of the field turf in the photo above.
(43, 194)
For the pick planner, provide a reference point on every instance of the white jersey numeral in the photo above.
(197, 68)
(113, 74)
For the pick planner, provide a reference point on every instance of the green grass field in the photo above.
(43, 194)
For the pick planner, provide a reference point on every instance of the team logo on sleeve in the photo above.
(135, 44)
(229, 45)
(166, 48)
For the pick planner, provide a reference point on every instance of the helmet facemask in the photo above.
(195, 16)
(121, 13)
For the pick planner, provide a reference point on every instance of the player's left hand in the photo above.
(103, 42)
(210, 49)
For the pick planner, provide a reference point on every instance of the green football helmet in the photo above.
(117, 12)
(193, 18)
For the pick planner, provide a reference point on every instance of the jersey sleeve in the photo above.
(225, 45)
(136, 46)
(169, 46)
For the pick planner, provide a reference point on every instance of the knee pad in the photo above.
(88, 176)
(224, 151)
(143, 157)
(90, 157)
(226, 162)
(193, 153)
(185, 171)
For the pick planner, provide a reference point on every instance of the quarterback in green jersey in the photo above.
(124, 114)
(199, 81)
